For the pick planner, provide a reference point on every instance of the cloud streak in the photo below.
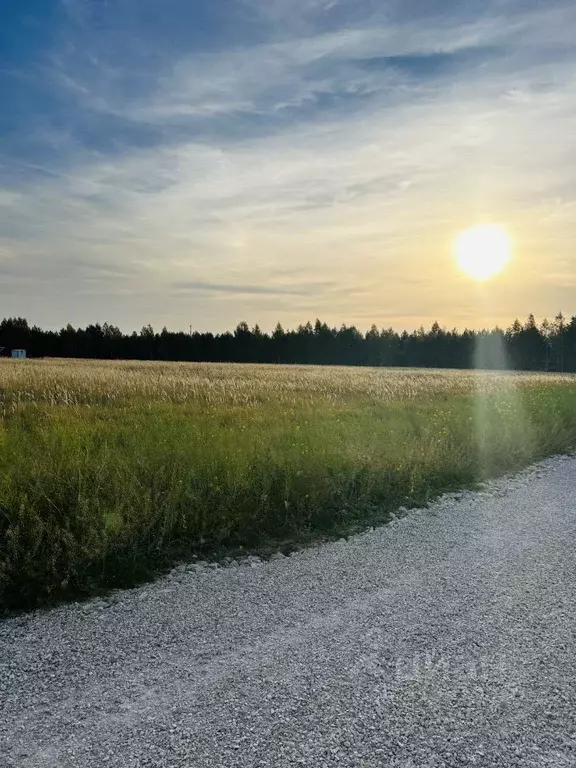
(349, 145)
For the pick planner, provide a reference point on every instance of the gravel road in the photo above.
(443, 639)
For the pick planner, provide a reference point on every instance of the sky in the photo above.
(203, 162)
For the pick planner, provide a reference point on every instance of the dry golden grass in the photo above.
(70, 382)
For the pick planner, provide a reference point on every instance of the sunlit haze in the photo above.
(280, 160)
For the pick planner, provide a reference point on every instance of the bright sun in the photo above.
(483, 251)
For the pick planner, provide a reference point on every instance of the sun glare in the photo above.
(483, 251)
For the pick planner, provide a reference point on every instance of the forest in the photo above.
(545, 346)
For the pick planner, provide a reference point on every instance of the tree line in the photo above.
(548, 346)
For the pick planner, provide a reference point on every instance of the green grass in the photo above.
(101, 495)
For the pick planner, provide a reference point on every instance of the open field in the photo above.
(112, 469)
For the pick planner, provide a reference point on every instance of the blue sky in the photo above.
(208, 161)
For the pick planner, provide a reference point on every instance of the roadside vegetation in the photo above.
(112, 470)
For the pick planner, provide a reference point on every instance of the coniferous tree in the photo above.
(549, 346)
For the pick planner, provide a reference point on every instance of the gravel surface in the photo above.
(443, 639)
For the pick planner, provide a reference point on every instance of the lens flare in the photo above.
(483, 251)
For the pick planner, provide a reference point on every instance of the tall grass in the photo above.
(110, 470)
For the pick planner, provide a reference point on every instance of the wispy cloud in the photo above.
(202, 287)
(348, 144)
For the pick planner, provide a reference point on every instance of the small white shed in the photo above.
(19, 354)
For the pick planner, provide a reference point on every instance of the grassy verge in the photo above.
(99, 496)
